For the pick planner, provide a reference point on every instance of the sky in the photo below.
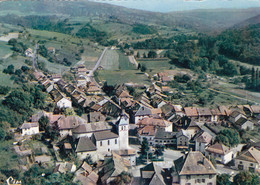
(180, 5)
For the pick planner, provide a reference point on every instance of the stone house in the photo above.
(248, 160)
(220, 152)
(194, 168)
(202, 140)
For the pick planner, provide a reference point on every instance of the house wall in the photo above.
(83, 155)
(89, 135)
(107, 145)
(150, 139)
(64, 133)
(30, 131)
(147, 174)
(224, 159)
(138, 118)
(248, 124)
(246, 165)
(200, 146)
(64, 103)
(182, 141)
(164, 141)
(233, 120)
(169, 128)
(198, 179)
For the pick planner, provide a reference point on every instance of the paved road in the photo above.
(91, 73)
(133, 61)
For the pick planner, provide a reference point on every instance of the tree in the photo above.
(9, 69)
(43, 122)
(228, 137)
(223, 179)
(69, 112)
(152, 54)
(123, 178)
(143, 68)
(138, 55)
(246, 178)
(144, 147)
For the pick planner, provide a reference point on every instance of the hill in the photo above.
(199, 20)
(250, 21)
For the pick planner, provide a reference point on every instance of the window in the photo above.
(240, 162)
(203, 180)
(156, 140)
(115, 141)
(210, 176)
(108, 142)
(251, 164)
(108, 150)
(100, 143)
(210, 183)
(240, 167)
(219, 155)
(252, 170)
(188, 177)
(188, 184)
(198, 180)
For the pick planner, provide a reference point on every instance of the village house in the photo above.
(205, 115)
(85, 148)
(48, 85)
(255, 110)
(127, 154)
(82, 70)
(112, 167)
(194, 168)
(244, 123)
(60, 99)
(85, 175)
(216, 115)
(65, 167)
(143, 112)
(81, 82)
(93, 89)
(191, 112)
(202, 140)
(235, 115)
(30, 128)
(51, 50)
(164, 138)
(157, 173)
(183, 139)
(220, 152)
(29, 52)
(56, 77)
(248, 160)
(68, 123)
(155, 121)
(147, 132)
(178, 110)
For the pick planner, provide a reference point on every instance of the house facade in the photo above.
(194, 168)
(30, 128)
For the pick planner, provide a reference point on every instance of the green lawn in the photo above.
(124, 63)
(123, 76)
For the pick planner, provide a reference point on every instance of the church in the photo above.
(100, 140)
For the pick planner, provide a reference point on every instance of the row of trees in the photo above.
(242, 178)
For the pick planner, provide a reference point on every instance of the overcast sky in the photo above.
(179, 5)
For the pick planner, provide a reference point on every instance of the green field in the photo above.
(123, 76)
(156, 65)
(4, 49)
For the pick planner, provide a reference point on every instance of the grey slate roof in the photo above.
(161, 134)
(85, 144)
(143, 111)
(104, 135)
(29, 125)
(195, 163)
(92, 127)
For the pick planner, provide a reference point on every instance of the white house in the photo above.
(194, 168)
(248, 160)
(220, 152)
(29, 52)
(30, 128)
(64, 103)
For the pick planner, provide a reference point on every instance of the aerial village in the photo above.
(145, 140)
